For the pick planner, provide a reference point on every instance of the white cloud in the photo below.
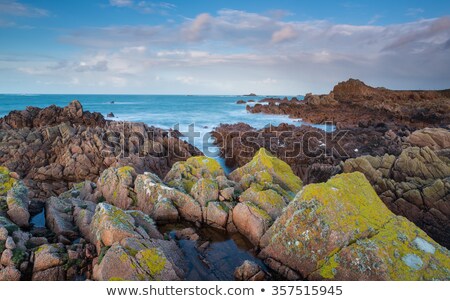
(284, 34)
(121, 3)
(16, 8)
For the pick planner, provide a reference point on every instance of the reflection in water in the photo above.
(224, 253)
(38, 221)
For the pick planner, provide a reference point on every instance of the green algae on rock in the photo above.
(341, 230)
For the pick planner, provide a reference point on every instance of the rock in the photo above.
(151, 191)
(10, 244)
(55, 147)
(135, 259)
(268, 200)
(37, 241)
(18, 201)
(21, 239)
(165, 211)
(10, 273)
(434, 138)
(111, 224)
(251, 221)
(184, 175)
(341, 230)
(204, 191)
(188, 234)
(3, 233)
(110, 115)
(240, 102)
(116, 186)
(353, 103)
(217, 214)
(49, 256)
(249, 271)
(7, 224)
(6, 180)
(271, 170)
(414, 184)
(59, 218)
(53, 274)
(7, 258)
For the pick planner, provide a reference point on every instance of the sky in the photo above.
(281, 47)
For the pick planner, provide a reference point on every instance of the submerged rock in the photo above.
(341, 230)
(249, 271)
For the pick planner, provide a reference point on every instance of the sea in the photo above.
(202, 112)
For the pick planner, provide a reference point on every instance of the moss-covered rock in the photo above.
(111, 224)
(268, 200)
(6, 181)
(415, 184)
(151, 192)
(265, 169)
(138, 260)
(18, 201)
(184, 175)
(341, 230)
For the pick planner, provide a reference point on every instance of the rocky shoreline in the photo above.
(375, 208)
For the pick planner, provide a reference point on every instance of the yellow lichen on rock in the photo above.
(6, 181)
(341, 230)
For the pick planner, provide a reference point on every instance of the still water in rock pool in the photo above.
(215, 254)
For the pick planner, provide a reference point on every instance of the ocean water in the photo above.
(164, 111)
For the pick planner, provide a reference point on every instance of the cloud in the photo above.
(195, 30)
(147, 7)
(121, 3)
(16, 8)
(233, 51)
(284, 34)
(414, 12)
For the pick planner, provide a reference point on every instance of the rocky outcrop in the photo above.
(54, 148)
(434, 138)
(269, 185)
(353, 103)
(414, 184)
(313, 154)
(128, 252)
(341, 230)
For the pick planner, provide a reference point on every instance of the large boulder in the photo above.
(184, 175)
(416, 184)
(18, 201)
(116, 186)
(49, 262)
(131, 248)
(434, 138)
(341, 230)
(269, 185)
(158, 200)
(266, 169)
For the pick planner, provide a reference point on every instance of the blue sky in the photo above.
(221, 47)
